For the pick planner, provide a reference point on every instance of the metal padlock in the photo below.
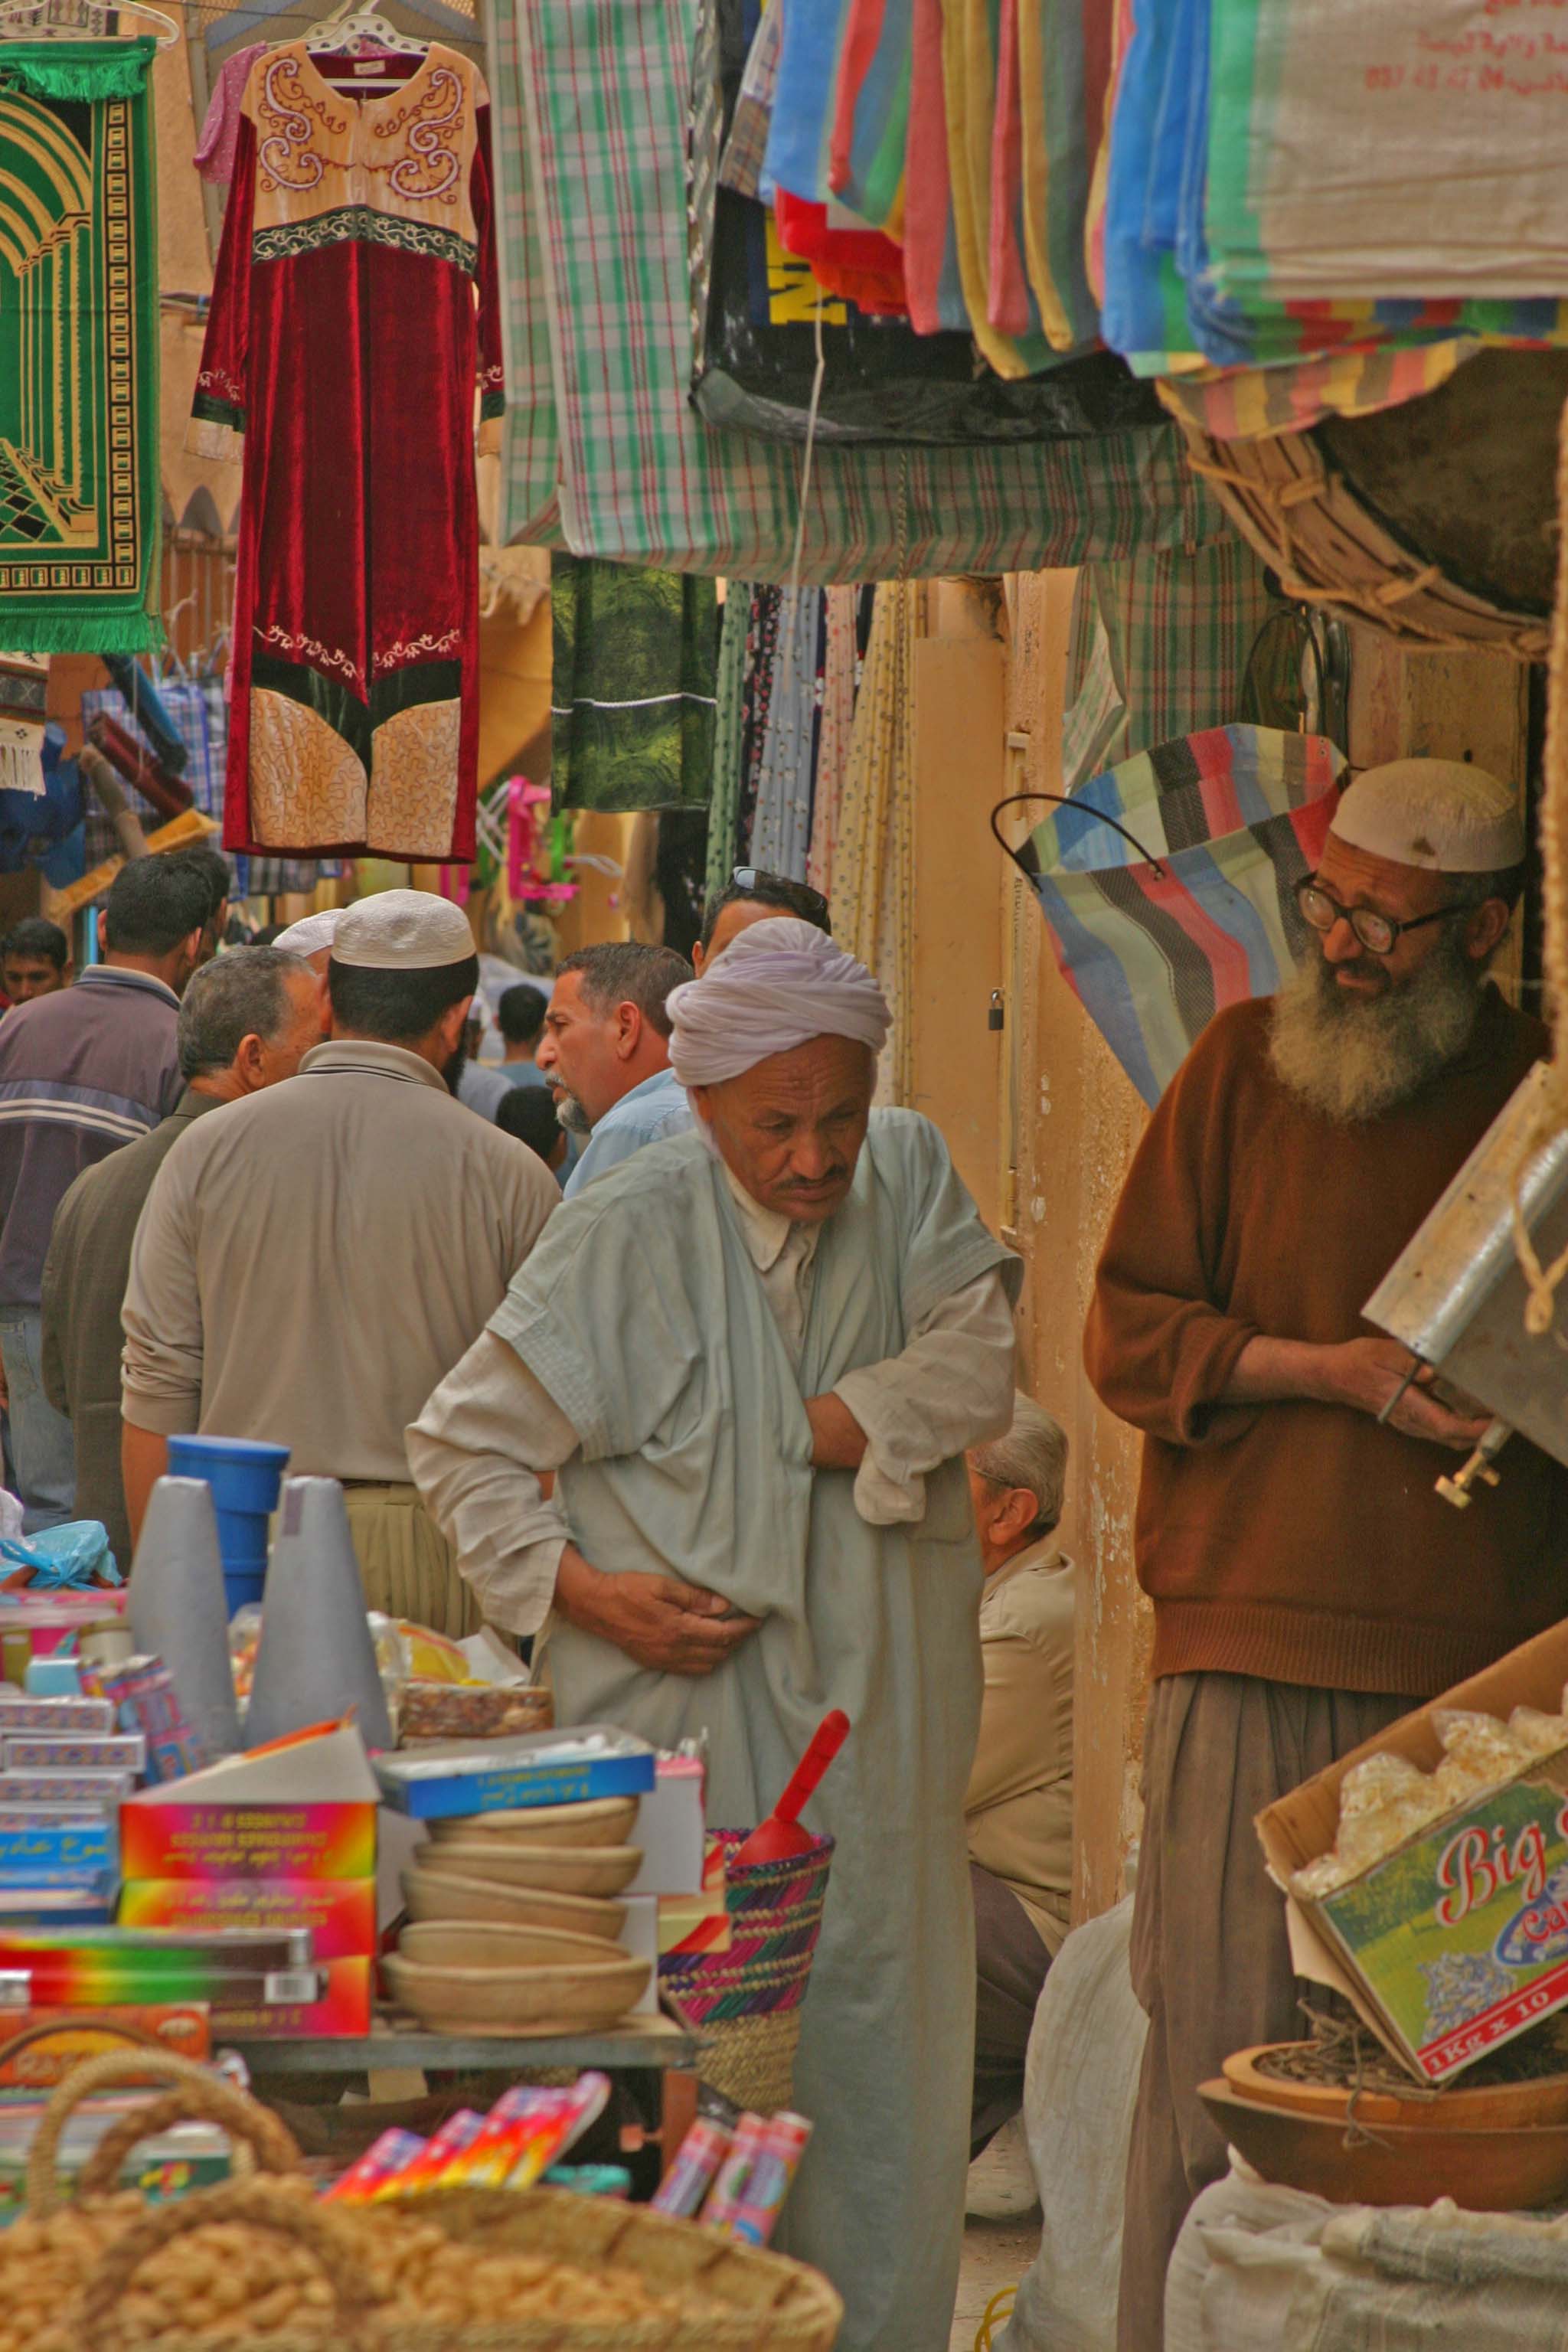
(995, 1018)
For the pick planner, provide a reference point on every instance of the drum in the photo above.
(1436, 521)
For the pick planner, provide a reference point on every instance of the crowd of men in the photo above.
(668, 1352)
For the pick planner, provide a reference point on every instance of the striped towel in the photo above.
(871, 111)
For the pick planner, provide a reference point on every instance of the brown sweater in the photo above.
(1298, 1540)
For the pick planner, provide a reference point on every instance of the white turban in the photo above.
(777, 985)
(1444, 814)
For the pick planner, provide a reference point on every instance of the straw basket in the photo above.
(747, 2000)
(733, 2298)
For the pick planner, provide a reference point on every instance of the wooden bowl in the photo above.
(481, 1978)
(599, 1870)
(436, 1894)
(602, 1821)
(1514, 2168)
(1491, 2107)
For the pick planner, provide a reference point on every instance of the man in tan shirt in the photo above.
(1019, 1808)
(310, 1264)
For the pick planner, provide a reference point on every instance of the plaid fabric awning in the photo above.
(594, 255)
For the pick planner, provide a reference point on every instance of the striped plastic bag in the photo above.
(1168, 884)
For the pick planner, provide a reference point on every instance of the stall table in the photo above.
(664, 2046)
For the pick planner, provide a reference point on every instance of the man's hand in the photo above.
(660, 1621)
(838, 1440)
(1361, 1373)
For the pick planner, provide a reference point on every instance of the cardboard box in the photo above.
(438, 1779)
(185, 1840)
(63, 1854)
(671, 1830)
(1458, 1940)
(339, 1911)
(39, 2046)
(342, 2007)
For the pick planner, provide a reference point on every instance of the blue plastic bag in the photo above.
(65, 1559)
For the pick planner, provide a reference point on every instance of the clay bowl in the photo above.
(1514, 2168)
(478, 1979)
(601, 1870)
(1489, 2108)
(602, 1821)
(433, 1893)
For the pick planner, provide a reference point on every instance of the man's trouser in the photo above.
(409, 1568)
(41, 1445)
(1211, 1963)
(1010, 1963)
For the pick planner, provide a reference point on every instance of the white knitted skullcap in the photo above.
(1443, 815)
(311, 934)
(402, 930)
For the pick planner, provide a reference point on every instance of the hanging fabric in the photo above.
(23, 714)
(633, 687)
(346, 346)
(79, 500)
(840, 675)
(642, 479)
(757, 701)
(746, 147)
(781, 830)
(729, 724)
(873, 864)
(1157, 933)
(871, 113)
(214, 158)
(529, 442)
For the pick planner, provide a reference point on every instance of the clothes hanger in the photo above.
(13, 9)
(353, 32)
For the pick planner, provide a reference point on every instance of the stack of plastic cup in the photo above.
(245, 1478)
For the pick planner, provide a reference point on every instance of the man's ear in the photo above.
(1484, 927)
(628, 1030)
(248, 1062)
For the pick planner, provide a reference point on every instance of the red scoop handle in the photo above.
(826, 1742)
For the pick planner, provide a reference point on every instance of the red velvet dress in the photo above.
(353, 313)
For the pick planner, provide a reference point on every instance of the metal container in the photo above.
(1456, 1293)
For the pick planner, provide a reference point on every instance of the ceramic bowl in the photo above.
(1541, 2099)
(440, 1894)
(1504, 2171)
(481, 1978)
(602, 1821)
(601, 1870)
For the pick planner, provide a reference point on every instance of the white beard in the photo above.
(1350, 1058)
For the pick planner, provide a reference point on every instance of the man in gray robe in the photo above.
(755, 1356)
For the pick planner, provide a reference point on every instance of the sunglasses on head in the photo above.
(751, 879)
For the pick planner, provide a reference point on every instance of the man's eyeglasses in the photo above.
(1379, 934)
(750, 879)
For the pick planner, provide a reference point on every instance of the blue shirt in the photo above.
(651, 1111)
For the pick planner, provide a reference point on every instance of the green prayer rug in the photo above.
(80, 503)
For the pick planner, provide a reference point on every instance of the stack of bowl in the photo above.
(514, 1924)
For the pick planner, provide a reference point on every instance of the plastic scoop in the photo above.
(780, 1838)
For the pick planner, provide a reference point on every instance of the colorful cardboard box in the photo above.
(206, 1840)
(339, 1913)
(344, 1997)
(39, 2046)
(547, 1768)
(1458, 1939)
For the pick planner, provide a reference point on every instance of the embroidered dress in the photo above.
(354, 313)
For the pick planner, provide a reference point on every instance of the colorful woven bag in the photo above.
(746, 2001)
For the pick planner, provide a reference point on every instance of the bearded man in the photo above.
(1309, 1584)
(755, 1355)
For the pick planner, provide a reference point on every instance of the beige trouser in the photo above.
(409, 1568)
(1211, 1963)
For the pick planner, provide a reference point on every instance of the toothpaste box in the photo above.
(295, 1842)
(547, 1768)
(34, 1751)
(60, 1718)
(339, 1911)
(75, 1787)
(343, 1990)
(68, 1854)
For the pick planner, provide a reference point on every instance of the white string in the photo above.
(810, 446)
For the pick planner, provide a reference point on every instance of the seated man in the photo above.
(1019, 1809)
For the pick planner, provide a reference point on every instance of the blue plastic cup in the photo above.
(245, 1477)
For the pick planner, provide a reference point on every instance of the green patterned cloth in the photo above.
(633, 685)
(80, 506)
(724, 807)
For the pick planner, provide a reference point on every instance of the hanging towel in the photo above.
(1063, 66)
(871, 111)
(841, 673)
(780, 831)
(931, 273)
(862, 265)
(969, 78)
(800, 134)
(745, 148)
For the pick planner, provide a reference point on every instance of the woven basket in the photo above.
(747, 2000)
(750, 2301)
(1310, 523)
